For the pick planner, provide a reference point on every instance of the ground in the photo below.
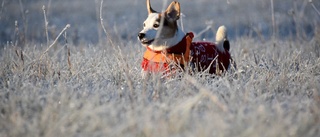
(87, 84)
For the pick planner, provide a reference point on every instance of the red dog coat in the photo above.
(202, 56)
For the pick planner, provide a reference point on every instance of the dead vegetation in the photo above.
(60, 89)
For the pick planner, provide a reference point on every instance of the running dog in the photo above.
(168, 48)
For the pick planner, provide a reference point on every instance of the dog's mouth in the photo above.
(147, 42)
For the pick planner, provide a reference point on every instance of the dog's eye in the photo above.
(155, 25)
(144, 25)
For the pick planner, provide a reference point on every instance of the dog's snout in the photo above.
(141, 35)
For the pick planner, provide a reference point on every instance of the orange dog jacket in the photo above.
(200, 55)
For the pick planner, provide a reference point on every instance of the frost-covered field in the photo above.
(86, 86)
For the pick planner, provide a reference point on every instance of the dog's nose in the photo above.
(141, 35)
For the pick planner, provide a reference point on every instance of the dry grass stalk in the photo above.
(125, 69)
(17, 53)
(129, 81)
(16, 33)
(39, 70)
(314, 7)
(273, 22)
(88, 103)
(22, 57)
(59, 74)
(69, 62)
(54, 42)
(1, 10)
(45, 23)
(103, 27)
(206, 93)
(22, 36)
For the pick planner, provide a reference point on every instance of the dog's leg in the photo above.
(145, 74)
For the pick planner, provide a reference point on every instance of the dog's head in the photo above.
(159, 29)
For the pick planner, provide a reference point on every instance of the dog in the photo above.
(169, 49)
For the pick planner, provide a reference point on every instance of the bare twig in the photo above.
(54, 42)
(25, 23)
(68, 52)
(273, 22)
(314, 7)
(2, 5)
(45, 23)
(103, 27)
(203, 31)
(16, 33)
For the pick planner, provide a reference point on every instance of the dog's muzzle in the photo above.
(143, 40)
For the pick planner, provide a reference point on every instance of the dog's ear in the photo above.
(173, 11)
(150, 10)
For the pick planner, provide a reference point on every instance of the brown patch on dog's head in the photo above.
(169, 27)
(168, 19)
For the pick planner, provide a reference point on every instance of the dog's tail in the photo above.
(222, 38)
(221, 34)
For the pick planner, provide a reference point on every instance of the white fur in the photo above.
(221, 36)
(148, 28)
(160, 42)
